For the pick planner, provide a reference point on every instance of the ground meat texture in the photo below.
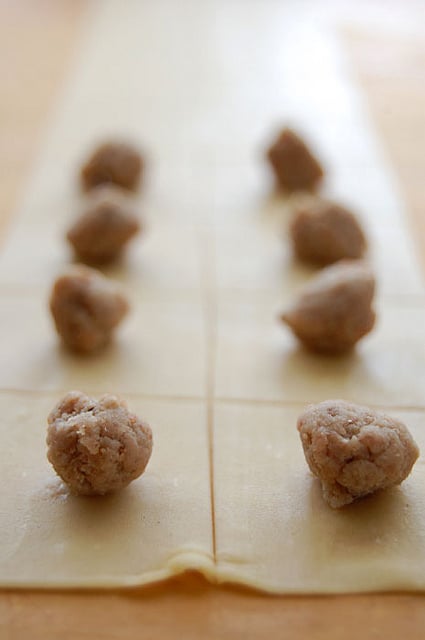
(324, 232)
(100, 234)
(334, 310)
(294, 165)
(86, 308)
(96, 446)
(355, 451)
(113, 162)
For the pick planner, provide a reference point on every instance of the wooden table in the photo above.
(391, 70)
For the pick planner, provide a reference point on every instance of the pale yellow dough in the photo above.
(202, 356)
(159, 350)
(291, 541)
(139, 535)
(259, 359)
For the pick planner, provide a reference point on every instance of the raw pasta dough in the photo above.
(291, 541)
(149, 354)
(258, 358)
(153, 529)
(202, 356)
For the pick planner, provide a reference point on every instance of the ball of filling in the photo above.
(113, 162)
(334, 311)
(96, 446)
(101, 233)
(324, 232)
(86, 308)
(355, 451)
(294, 165)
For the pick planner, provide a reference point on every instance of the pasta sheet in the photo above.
(203, 87)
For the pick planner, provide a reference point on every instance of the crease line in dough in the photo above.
(210, 310)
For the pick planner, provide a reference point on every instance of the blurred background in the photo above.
(383, 40)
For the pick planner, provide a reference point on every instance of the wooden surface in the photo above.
(36, 40)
